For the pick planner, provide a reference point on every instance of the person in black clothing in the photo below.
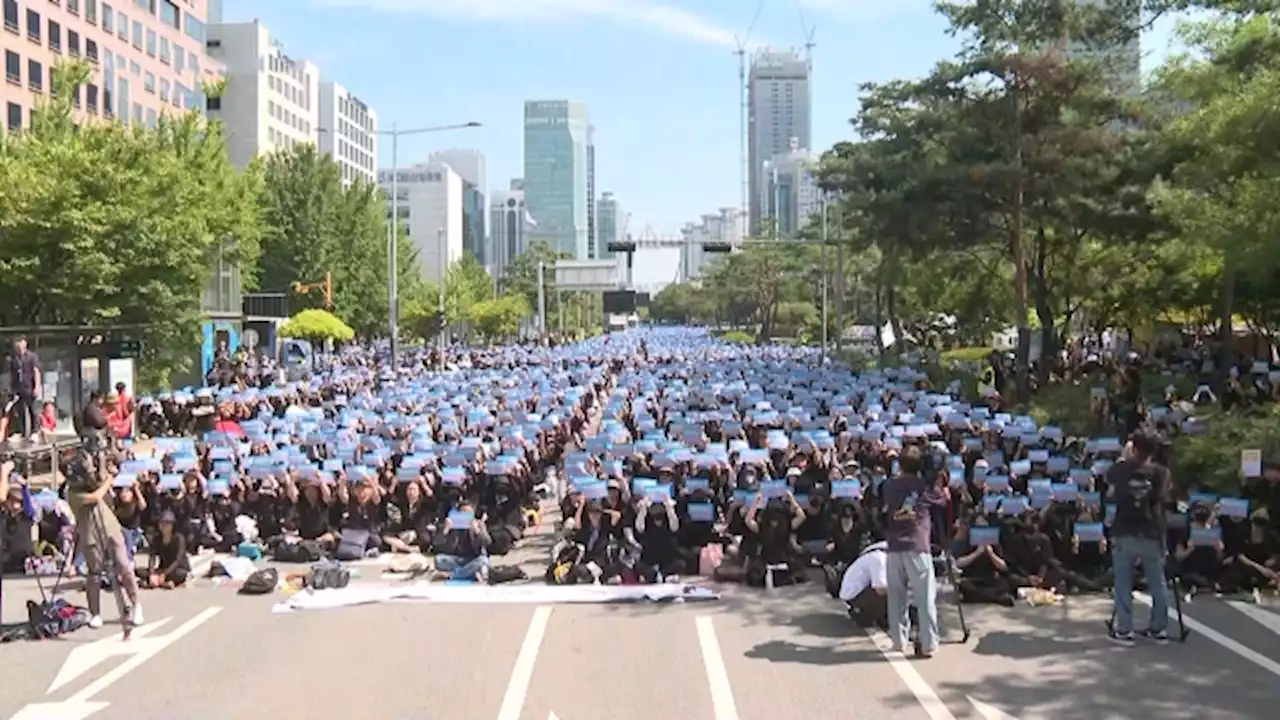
(849, 535)
(25, 384)
(656, 528)
(1140, 490)
(774, 526)
(16, 531)
(407, 522)
(986, 577)
(169, 566)
(461, 550)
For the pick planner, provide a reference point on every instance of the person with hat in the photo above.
(169, 566)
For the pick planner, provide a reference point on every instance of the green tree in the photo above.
(107, 225)
(317, 326)
(499, 318)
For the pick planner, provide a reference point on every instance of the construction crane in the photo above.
(325, 287)
(744, 171)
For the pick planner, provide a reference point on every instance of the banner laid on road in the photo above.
(481, 594)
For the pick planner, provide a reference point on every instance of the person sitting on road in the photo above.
(656, 529)
(461, 549)
(408, 520)
(169, 566)
(985, 577)
(310, 512)
(774, 525)
(599, 539)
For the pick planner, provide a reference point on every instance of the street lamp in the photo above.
(393, 282)
(443, 257)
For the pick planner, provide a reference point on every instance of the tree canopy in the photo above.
(317, 326)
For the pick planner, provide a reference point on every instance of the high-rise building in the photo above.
(723, 226)
(792, 195)
(555, 173)
(146, 59)
(609, 226)
(430, 209)
(778, 109)
(593, 247)
(272, 101)
(509, 225)
(470, 165)
(348, 133)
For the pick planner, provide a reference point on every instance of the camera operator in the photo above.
(910, 501)
(1140, 487)
(88, 483)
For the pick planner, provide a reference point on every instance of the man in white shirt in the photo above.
(865, 587)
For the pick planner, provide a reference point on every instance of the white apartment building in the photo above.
(792, 195)
(470, 165)
(348, 133)
(428, 202)
(272, 101)
(724, 226)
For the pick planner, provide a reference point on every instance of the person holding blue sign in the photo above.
(462, 548)
(909, 502)
(657, 528)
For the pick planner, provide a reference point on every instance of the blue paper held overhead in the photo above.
(1233, 507)
(979, 536)
(1202, 536)
(171, 481)
(459, 520)
(1088, 532)
(846, 489)
(124, 480)
(702, 512)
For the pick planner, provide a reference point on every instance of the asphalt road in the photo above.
(788, 654)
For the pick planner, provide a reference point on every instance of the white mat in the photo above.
(366, 594)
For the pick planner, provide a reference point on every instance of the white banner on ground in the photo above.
(366, 594)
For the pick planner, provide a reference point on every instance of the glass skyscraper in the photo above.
(555, 173)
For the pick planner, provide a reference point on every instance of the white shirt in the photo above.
(869, 570)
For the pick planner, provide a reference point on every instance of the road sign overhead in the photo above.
(586, 275)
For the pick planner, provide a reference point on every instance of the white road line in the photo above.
(88, 691)
(522, 671)
(717, 674)
(1268, 620)
(1247, 653)
(928, 699)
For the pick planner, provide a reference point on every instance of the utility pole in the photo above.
(542, 300)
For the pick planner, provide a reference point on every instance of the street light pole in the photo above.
(443, 258)
(824, 280)
(393, 241)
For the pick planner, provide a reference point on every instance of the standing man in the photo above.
(909, 502)
(100, 536)
(1140, 490)
(25, 382)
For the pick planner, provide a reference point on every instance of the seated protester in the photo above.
(269, 509)
(18, 533)
(1089, 567)
(359, 529)
(599, 539)
(507, 519)
(310, 513)
(865, 587)
(1029, 554)
(1199, 566)
(774, 526)
(461, 549)
(223, 510)
(192, 511)
(814, 534)
(169, 566)
(130, 508)
(1256, 567)
(985, 575)
(408, 521)
(849, 534)
(656, 530)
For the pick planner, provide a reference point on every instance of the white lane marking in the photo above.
(552, 715)
(81, 705)
(1268, 620)
(717, 675)
(1249, 654)
(989, 712)
(84, 658)
(522, 671)
(928, 699)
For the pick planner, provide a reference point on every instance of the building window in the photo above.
(149, 83)
(11, 15)
(164, 51)
(73, 7)
(12, 67)
(73, 43)
(137, 35)
(55, 37)
(91, 11)
(108, 16)
(33, 25)
(170, 14)
(164, 90)
(91, 50)
(75, 97)
(15, 116)
(91, 97)
(151, 43)
(122, 26)
(195, 29)
(35, 76)
(213, 104)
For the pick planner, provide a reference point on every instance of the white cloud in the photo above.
(657, 16)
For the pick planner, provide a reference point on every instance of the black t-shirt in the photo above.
(1139, 507)
(313, 519)
(15, 537)
(22, 372)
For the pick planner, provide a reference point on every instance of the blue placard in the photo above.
(702, 512)
(746, 497)
(997, 483)
(658, 493)
(1110, 516)
(1064, 492)
(124, 480)
(1201, 536)
(774, 489)
(979, 536)
(696, 484)
(594, 491)
(990, 503)
(846, 489)
(1014, 505)
(1088, 532)
(1202, 499)
(1233, 507)
(459, 520)
(1091, 500)
(171, 481)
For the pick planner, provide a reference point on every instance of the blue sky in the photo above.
(659, 77)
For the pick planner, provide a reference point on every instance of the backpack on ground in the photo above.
(305, 551)
(261, 582)
(352, 545)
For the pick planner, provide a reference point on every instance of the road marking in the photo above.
(989, 712)
(717, 674)
(86, 657)
(1268, 620)
(522, 671)
(81, 705)
(928, 699)
(552, 715)
(1249, 654)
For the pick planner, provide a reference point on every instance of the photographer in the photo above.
(98, 531)
(909, 502)
(1140, 490)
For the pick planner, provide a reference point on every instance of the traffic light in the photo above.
(622, 246)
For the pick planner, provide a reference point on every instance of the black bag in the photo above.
(261, 582)
(306, 551)
(506, 574)
(352, 545)
(501, 540)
